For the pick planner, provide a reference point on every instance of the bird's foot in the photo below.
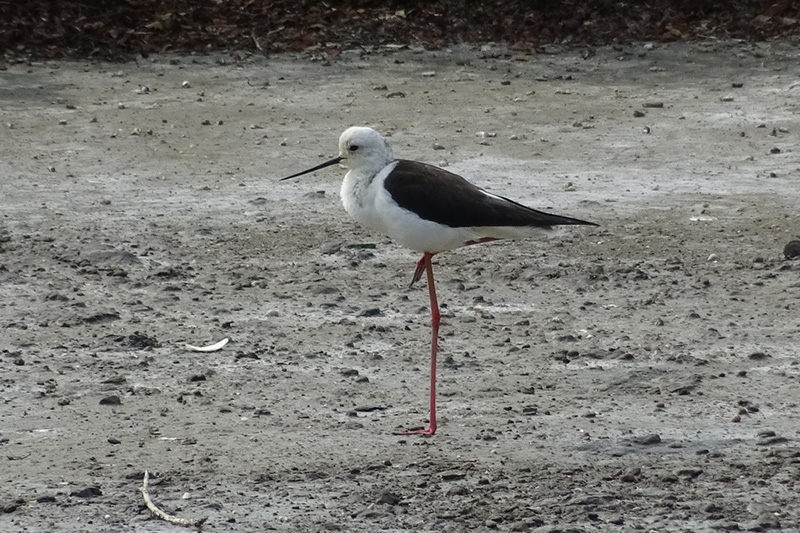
(425, 432)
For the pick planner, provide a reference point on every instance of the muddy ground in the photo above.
(638, 376)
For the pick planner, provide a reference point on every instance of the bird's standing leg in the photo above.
(425, 264)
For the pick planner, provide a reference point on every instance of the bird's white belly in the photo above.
(367, 201)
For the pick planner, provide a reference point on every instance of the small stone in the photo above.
(772, 441)
(112, 440)
(726, 99)
(638, 114)
(111, 400)
(656, 105)
(88, 492)
(775, 150)
(428, 74)
(648, 440)
(120, 106)
(792, 250)
(186, 85)
(437, 146)
(389, 498)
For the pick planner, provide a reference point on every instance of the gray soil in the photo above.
(638, 376)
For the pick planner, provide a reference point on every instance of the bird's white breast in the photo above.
(366, 199)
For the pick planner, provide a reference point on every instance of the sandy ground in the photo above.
(639, 376)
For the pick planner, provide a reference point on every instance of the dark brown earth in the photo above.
(116, 30)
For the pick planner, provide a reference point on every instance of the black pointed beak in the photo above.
(323, 165)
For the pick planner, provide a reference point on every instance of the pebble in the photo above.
(792, 250)
(186, 85)
(111, 400)
(638, 114)
(647, 440)
(88, 492)
(437, 146)
(429, 74)
(389, 498)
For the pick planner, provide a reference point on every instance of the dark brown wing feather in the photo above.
(446, 198)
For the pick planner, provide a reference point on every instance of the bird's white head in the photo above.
(364, 150)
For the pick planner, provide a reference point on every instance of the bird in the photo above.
(428, 210)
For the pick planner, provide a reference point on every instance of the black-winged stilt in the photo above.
(427, 209)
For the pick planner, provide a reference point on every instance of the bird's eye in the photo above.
(353, 147)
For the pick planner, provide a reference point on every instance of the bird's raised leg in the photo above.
(422, 263)
(425, 264)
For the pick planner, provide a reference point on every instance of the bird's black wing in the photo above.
(446, 198)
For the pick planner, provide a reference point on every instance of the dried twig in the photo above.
(163, 515)
(255, 41)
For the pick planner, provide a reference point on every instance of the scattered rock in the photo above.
(647, 440)
(111, 400)
(792, 250)
(389, 498)
(88, 492)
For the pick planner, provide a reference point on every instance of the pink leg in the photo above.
(425, 263)
(421, 264)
